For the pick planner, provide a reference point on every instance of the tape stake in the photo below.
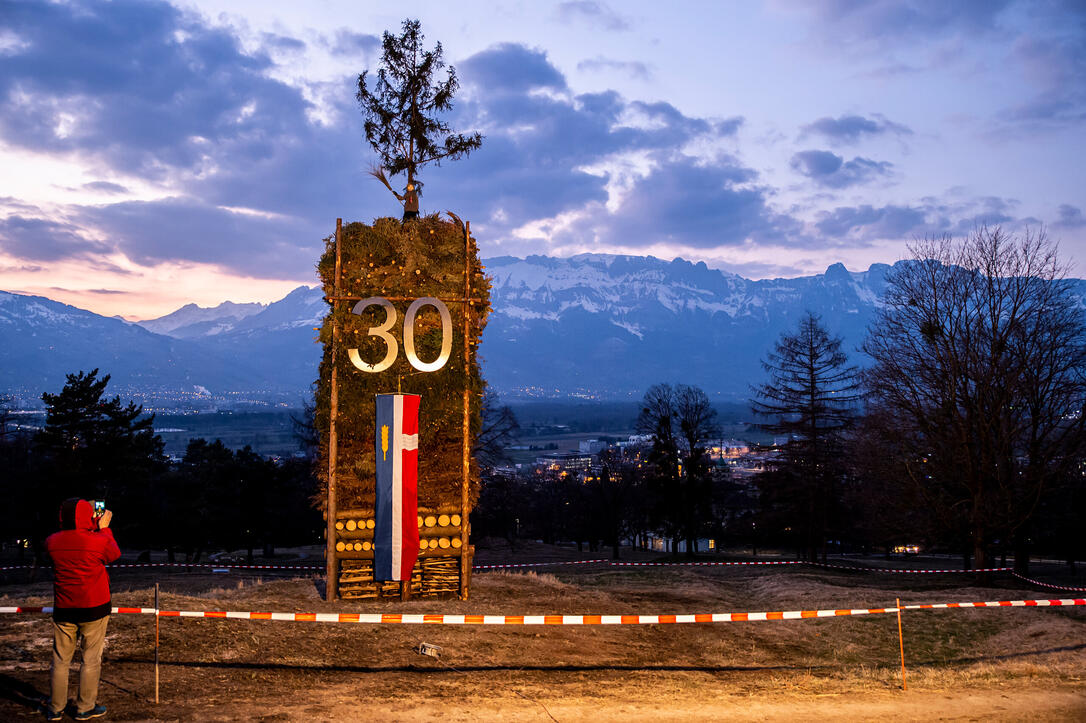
(901, 643)
(156, 643)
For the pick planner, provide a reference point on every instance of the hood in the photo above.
(76, 514)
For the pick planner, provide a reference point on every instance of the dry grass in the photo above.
(224, 670)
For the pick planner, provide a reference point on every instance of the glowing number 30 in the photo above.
(408, 334)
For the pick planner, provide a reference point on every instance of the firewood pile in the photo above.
(356, 581)
(436, 572)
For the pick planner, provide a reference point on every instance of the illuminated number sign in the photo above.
(392, 348)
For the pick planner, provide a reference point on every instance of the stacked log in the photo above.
(356, 581)
(440, 576)
(437, 571)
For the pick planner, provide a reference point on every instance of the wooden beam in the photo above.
(331, 588)
(465, 482)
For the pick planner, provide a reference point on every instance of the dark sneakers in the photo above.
(96, 712)
(50, 715)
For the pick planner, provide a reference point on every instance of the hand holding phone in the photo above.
(102, 516)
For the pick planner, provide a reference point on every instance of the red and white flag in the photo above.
(396, 532)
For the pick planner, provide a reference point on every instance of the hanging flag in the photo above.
(396, 532)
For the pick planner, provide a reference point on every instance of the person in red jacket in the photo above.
(81, 603)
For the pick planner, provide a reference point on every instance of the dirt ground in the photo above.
(982, 664)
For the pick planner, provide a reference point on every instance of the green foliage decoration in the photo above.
(423, 257)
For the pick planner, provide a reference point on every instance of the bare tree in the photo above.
(810, 397)
(657, 419)
(681, 421)
(697, 425)
(499, 430)
(980, 377)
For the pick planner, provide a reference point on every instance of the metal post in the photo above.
(465, 482)
(331, 590)
(156, 643)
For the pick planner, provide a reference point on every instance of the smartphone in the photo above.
(99, 507)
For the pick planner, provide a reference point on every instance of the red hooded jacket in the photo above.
(80, 552)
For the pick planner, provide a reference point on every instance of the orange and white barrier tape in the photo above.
(443, 619)
(213, 565)
(294, 568)
(1048, 584)
(537, 564)
(707, 563)
(217, 566)
(228, 567)
(997, 604)
(47, 609)
(910, 571)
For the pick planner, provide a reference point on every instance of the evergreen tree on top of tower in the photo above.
(401, 108)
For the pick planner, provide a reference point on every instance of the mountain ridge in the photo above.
(590, 325)
(192, 321)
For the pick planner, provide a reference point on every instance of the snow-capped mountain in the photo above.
(277, 343)
(43, 340)
(192, 321)
(593, 324)
(608, 325)
(616, 324)
(302, 307)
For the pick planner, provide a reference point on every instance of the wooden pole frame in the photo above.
(465, 480)
(331, 589)
(332, 566)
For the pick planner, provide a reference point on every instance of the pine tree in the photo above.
(95, 447)
(401, 109)
(810, 396)
(98, 443)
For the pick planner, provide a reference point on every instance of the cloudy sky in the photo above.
(157, 153)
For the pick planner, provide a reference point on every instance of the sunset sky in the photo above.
(159, 153)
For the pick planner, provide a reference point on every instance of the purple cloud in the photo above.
(258, 183)
(831, 171)
(849, 129)
(633, 68)
(282, 43)
(705, 206)
(1056, 67)
(105, 187)
(867, 222)
(186, 229)
(849, 22)
(593, 12)
(1070, 217)
(531, 163)
(509, 67)
(41, 239)
(348, 43)
(145, 103)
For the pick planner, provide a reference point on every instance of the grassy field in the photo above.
(991, 664)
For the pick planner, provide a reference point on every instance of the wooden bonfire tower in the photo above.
(401, 262)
